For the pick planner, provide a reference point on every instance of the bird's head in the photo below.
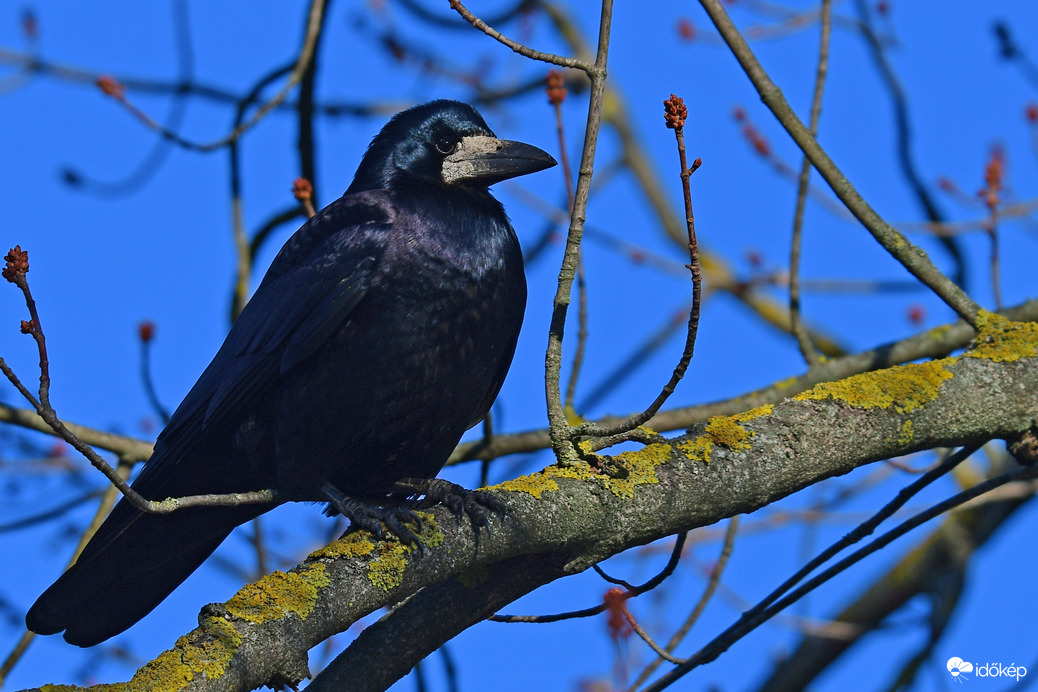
(446, 143)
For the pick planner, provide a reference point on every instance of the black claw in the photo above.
(490, 501)
(372, 518)
(457, 499)
(457, 504)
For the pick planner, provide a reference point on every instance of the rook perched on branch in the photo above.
(382, 331)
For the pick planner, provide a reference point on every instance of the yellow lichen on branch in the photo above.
(278, 594)
(386, 569)
(640, 466)
(725, 431)
(903, 388)
(1003, 341)
(641, 469)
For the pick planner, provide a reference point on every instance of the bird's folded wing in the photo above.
(313, 285)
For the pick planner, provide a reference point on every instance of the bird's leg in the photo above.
(457, 499)
(363, 515)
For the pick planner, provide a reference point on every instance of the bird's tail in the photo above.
(131, 564)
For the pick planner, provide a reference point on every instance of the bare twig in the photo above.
(637, 161)
(628, 367)
(113, 88)
(660, 651)
(904, 136)
(146, 334)
(676, 113)
(17, 266)
(722, 642)
(49, 514)
(556, 95)
(934, 343)
(913, 258)
(125, 447)
(107, 500)
(631, 591)
(807, 349)
(160, 149)
(708, 592)
(243, 248)
(520, 48)
(994, 172)
(558, 424)
(596, 72)
(774, 602)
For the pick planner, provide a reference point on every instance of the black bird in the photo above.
(381, 332)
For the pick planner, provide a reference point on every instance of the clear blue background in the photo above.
(100, 264)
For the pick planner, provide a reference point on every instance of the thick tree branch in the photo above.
(567, 519)
(430, 618)
(934, 343)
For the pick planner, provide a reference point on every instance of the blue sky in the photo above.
(102, 263)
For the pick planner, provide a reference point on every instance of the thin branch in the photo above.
(720, 644)
(933, 343)
(258, 541)
(305, 110)
(556, 95)
(161, 148)
(520, 48)
(807, 349)
(302, 63)
(676, 112)
(122, 445)
(146, 334)
(554, 617)
(913, 258)
(994, 172)
(708, 593)
(52, 513)
(904, 137)
(638, 162)
(264, 232)
(17, 266)
(631, 591)
(660, 651)
(689, 493)
(639, 357)
(243, 250)
(448, 22)
(672, 564)
(107, 500)
(558, 424)
(774, 602)
(934, 568)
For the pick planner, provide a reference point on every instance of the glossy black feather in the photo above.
(381, 332)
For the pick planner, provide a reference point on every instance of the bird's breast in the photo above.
(417, 361)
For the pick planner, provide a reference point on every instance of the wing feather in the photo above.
(313, 285)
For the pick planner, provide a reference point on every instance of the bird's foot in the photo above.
(457, 499)
(363, 515)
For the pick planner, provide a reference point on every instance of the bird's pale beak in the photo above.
(488, 160)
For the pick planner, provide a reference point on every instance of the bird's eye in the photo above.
(445, 146)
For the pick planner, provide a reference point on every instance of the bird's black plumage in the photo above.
(381, 332)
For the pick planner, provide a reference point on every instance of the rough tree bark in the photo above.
(563, 520)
